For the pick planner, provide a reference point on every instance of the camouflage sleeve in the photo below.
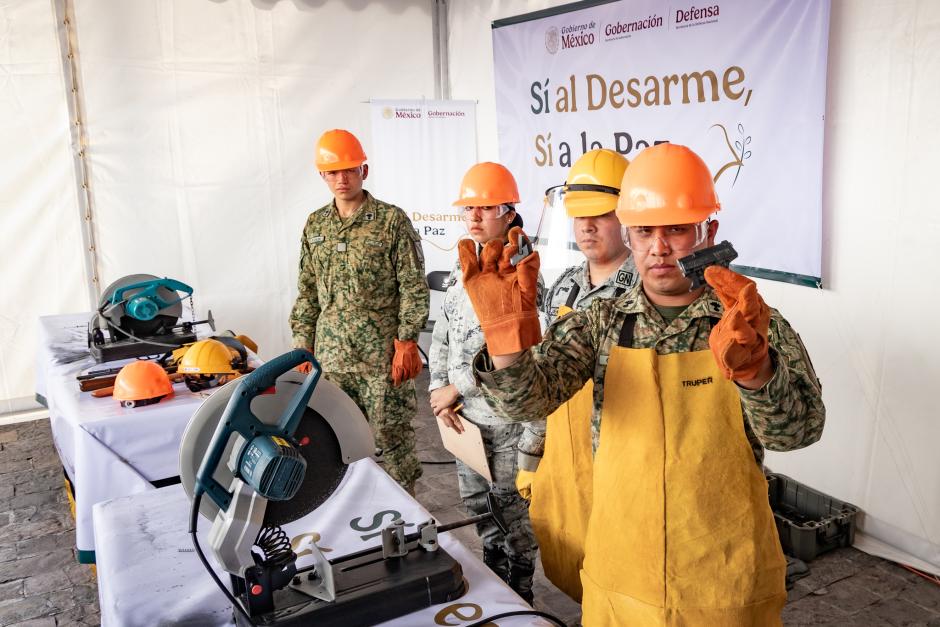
(546, 375)
(531, 445)
(437, 355)
(540, 293)
(546, 306)
(412, 284)
(787, 413)
(306, 310)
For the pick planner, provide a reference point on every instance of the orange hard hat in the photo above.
(142, 380)
(666, 184)
(339, 150)
(487, 184)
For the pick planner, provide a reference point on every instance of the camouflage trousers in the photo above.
(389, 411)
(519, 545)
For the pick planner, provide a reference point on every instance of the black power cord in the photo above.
(546, 616)
(193, 519)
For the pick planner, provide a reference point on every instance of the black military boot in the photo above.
(520, 580)
(496, 560)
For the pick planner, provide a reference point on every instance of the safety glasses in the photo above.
(680, 237)
(475, 214)
(348, 173)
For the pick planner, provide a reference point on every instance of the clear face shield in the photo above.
(554, 236)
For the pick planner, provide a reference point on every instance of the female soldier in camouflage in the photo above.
(488, 192)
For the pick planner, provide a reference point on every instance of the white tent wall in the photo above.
(202, 119)
(875, 352)
(40, 219)
(470, 59)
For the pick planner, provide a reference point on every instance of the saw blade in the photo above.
(325, 471)
(326, 461)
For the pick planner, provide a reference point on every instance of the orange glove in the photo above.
(406, 364)
(739, 340)
(503, 295)
(305, 367)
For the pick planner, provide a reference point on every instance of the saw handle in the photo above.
(238, 417)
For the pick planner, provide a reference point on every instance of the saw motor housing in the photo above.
(139, 315)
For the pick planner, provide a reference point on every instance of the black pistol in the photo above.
(693, 266)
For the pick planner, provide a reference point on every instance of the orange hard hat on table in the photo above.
(339, 150)
(142, 380)
(487, 184)
(666, 184)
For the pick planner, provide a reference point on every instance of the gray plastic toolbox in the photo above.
(808, 521)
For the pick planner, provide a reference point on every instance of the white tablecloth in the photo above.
(107, 450)
(148, 574)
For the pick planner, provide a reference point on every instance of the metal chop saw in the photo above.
(269, 448)
(138, 315)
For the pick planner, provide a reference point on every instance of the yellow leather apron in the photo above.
(681, 531)
(561, 490)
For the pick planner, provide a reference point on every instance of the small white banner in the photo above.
(421, 149)
(742, 83)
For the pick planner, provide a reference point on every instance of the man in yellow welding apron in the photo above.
(690, 386)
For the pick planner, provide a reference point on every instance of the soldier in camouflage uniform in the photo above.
(575, 287)
(679, 498)
(489, 214)
(589, 198)
(362, 299)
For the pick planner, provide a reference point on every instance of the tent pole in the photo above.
(68, 47)
(441, 63)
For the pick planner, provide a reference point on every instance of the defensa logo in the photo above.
(696, 16)
(625, 30)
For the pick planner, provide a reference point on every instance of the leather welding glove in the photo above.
(406, 364)
(305, 367)
(524, 480)
(739, 340)
(503, 295)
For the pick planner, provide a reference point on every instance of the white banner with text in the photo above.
(421, 149)
(741, 83)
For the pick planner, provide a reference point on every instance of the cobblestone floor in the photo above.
(42, 584)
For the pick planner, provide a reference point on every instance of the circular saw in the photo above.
(138, 315)
(269, 448)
